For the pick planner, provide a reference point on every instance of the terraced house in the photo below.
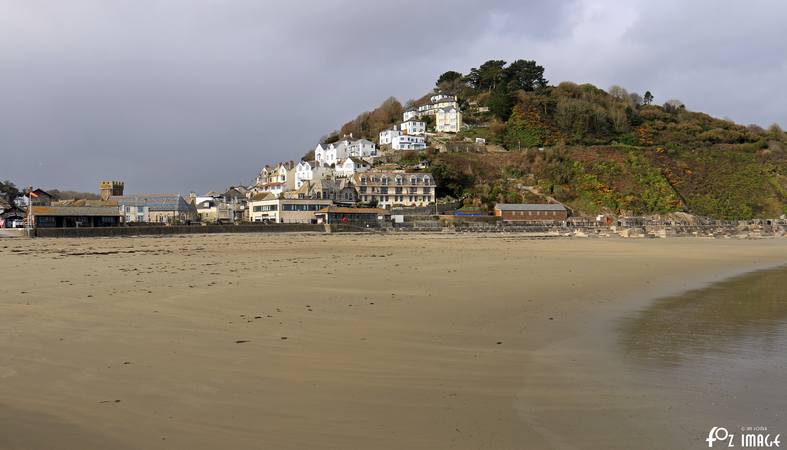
(395, 188)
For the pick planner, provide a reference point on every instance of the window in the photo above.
(413, 181)
(363, 180)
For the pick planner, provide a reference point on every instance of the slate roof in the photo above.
(154, 202)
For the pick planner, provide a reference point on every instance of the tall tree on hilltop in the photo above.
(487, 76)
(524, 75)
(448, 77)
(648, 98)
(451, 82)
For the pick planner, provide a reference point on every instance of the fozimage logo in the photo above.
(749, 437)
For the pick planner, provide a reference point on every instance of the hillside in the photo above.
(597, 151)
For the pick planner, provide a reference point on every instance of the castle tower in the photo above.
(110, 188)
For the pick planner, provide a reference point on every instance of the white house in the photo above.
(386, 136)
(433, 107)
(362, 148)
(409, 114)
(413, 127)
(448, 120)
(438, 97)
(334, 153)
(310, 171)
(405, 142)
(351, 166)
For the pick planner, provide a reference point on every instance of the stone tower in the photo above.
(110, 188)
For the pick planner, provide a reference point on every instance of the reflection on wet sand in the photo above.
(743, 317)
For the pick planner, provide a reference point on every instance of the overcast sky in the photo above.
(180, 95)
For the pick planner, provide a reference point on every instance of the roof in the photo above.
(358, 161)
(39, 192)
(345, 210)
(262, 196)
(75, 211)
(529, 207)
(85, 202)
(154, 202)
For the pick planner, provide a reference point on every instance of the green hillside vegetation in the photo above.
(598, 151)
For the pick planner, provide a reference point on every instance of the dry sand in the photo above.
(307, 341)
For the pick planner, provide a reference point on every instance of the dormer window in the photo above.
(363, 180)
(413, 180)
(426, 181)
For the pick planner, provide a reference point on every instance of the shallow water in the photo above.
(743, 320)
(722, 350)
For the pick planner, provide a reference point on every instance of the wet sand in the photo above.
(387, 342)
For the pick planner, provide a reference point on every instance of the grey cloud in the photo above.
(173, 95)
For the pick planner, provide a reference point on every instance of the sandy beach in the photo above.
(311, 341)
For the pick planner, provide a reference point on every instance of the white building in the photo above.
(266, 207)
(387, 136)
(448, 120)
(410, 114)
(405, 142)
(311, 171)
(438, 97)
(433, 107)
(351, 166)
(413, 127)
(333, 153)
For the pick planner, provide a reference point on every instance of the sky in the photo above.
(198, 95)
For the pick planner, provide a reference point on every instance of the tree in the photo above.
(448, 77)
(449, 181)
(648, 98)
(524, 75)
(487, 76)
(500, 102)
(331, 137)
(619, 93)
(8, 190)
(525, 130)
(776, 132)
